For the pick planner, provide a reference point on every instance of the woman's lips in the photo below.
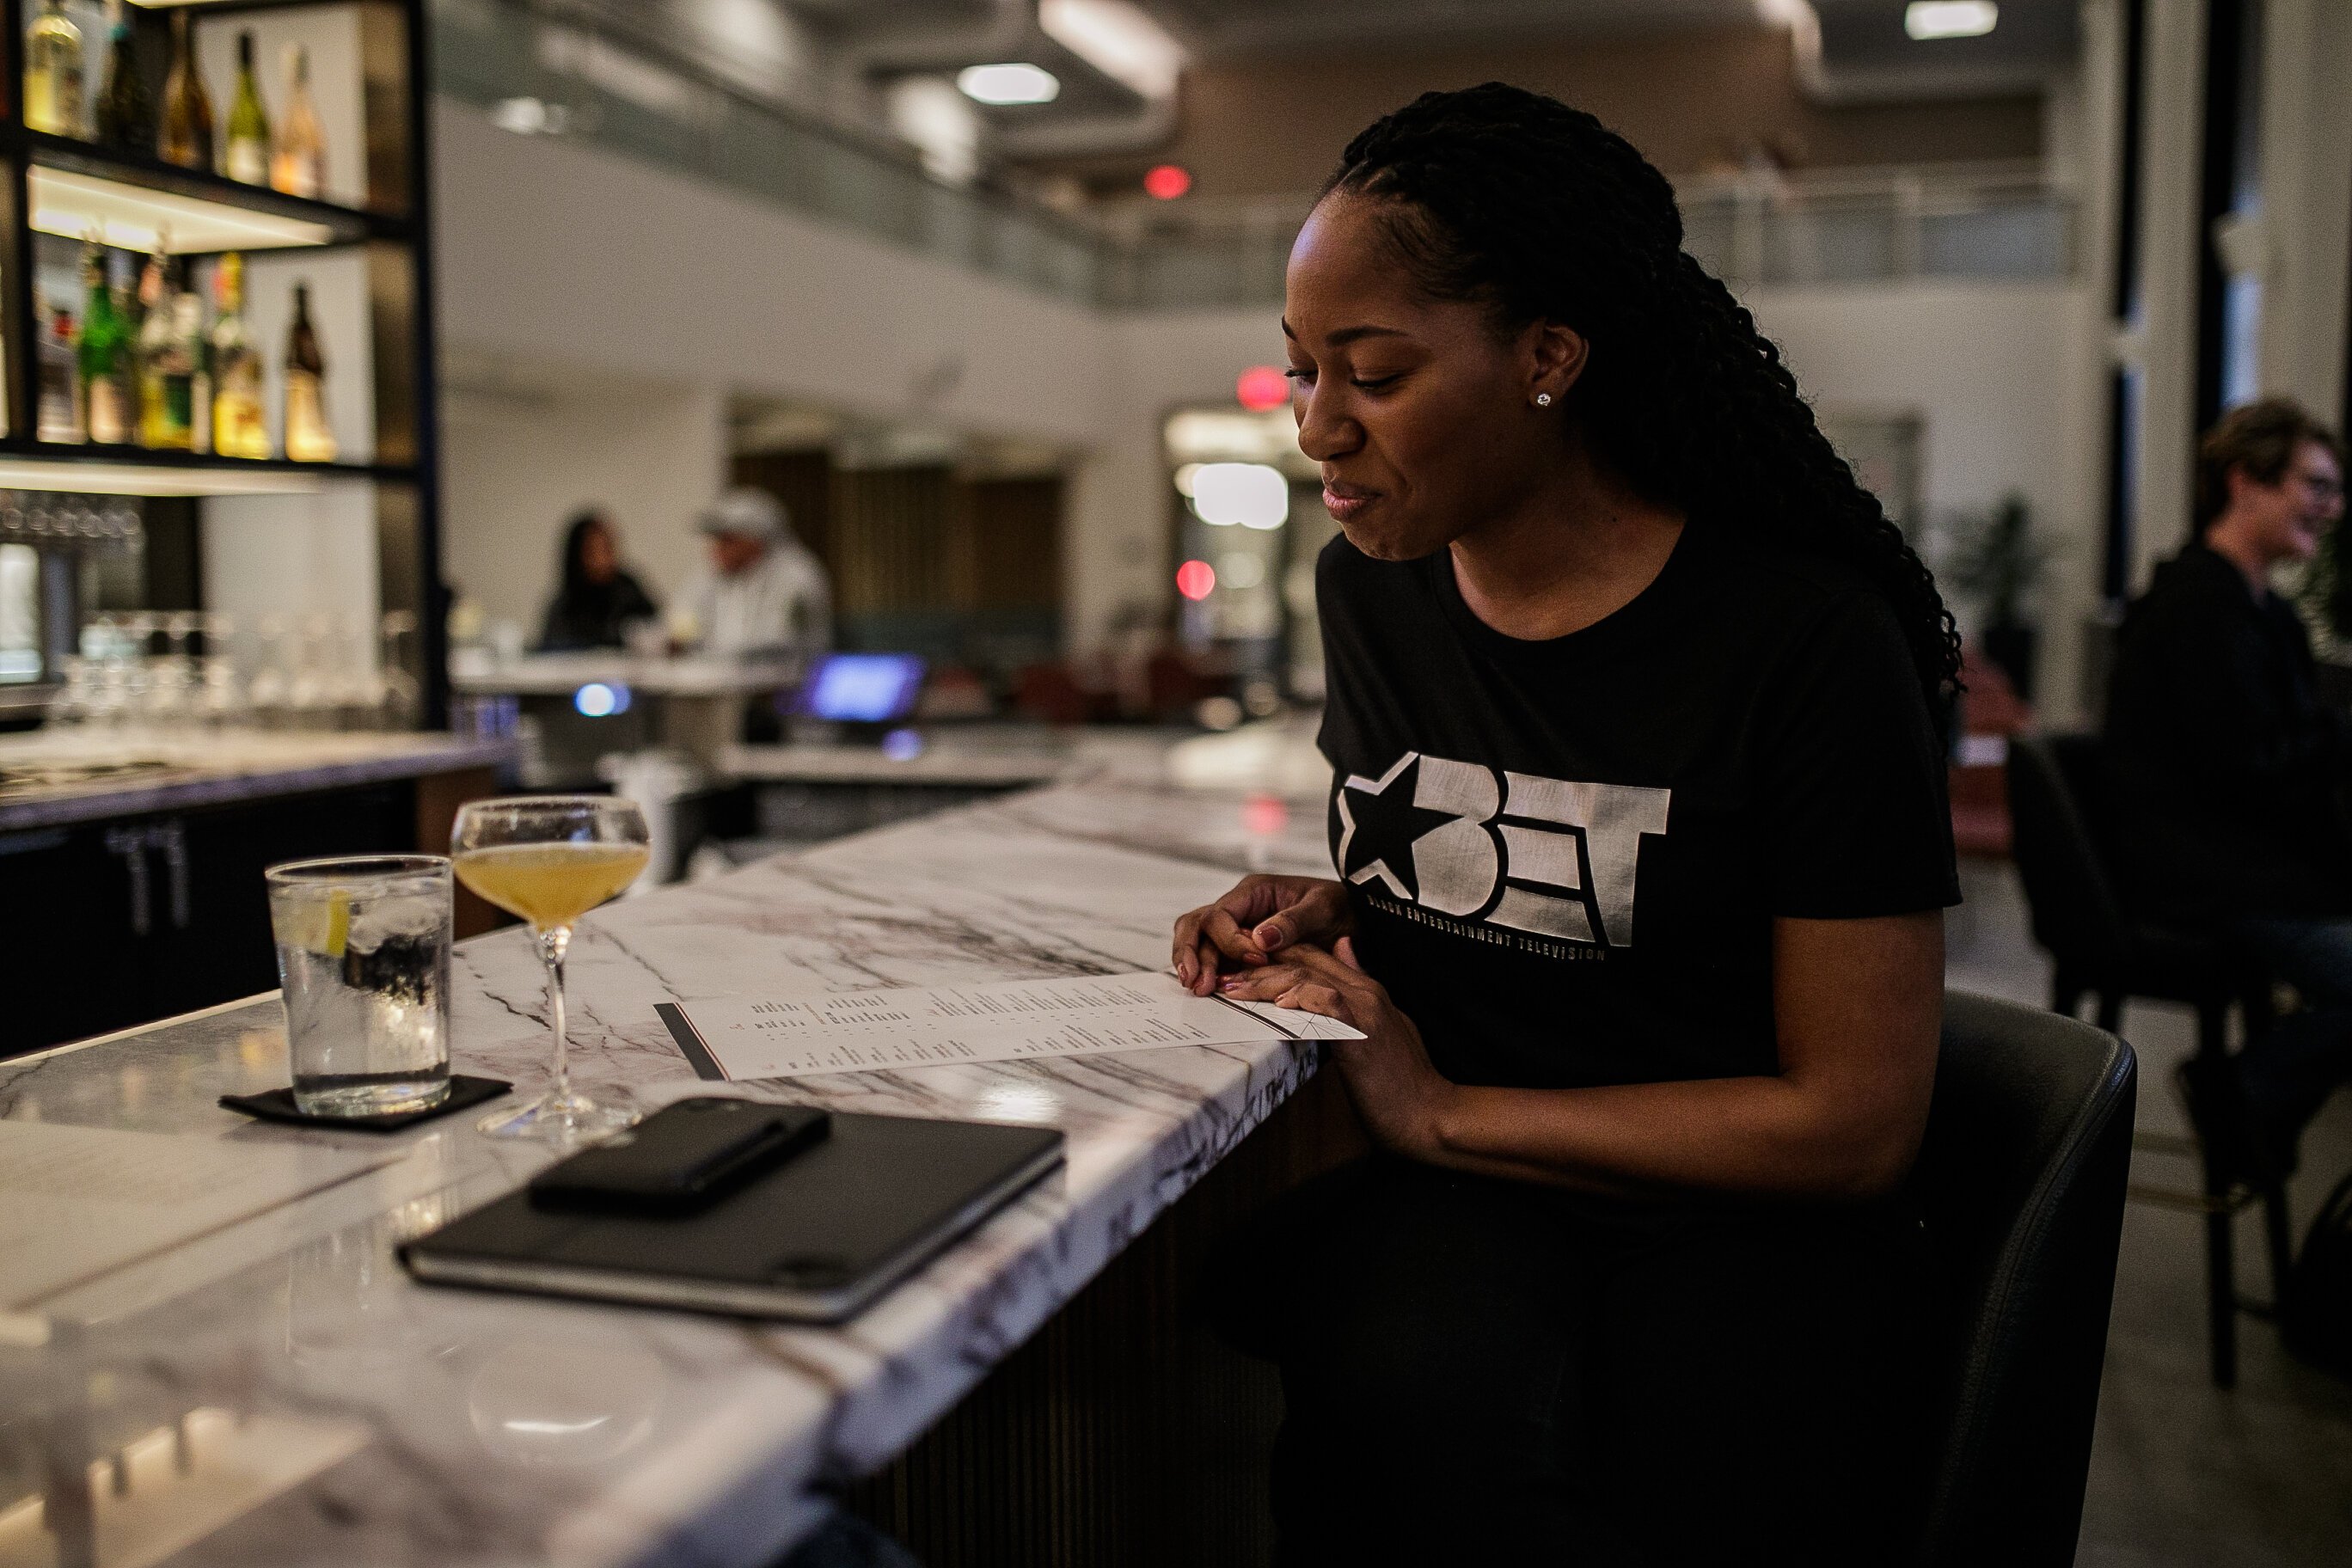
(1344, 502)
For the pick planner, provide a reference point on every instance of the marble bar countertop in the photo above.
(1262, 759)
(53, 778)
(316, 1405)
(562, 674)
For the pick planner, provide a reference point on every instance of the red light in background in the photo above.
(1264, 816)
(1165, 182)
(1261, 387)
(1195, 578)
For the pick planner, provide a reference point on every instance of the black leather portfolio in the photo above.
(812, 1239)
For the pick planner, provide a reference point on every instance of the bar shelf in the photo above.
(361, 250)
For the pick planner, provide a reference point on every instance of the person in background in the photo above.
(594, 598)
(764, 593)
(2225, 767)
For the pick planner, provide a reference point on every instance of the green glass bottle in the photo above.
(105, 354)
(246, 156)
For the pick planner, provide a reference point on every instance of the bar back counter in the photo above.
(280, 1392)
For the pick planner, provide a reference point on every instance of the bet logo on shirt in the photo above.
(1547, 855)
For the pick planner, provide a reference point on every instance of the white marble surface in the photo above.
(217, 769)
(562, 674)
(503, 1429)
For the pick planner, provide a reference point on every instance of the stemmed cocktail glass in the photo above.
(551, 859)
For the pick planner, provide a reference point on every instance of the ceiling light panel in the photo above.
(1011, 83)
(1927, 19)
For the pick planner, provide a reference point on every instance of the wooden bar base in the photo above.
(1125, 1433)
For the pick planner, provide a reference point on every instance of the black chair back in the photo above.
(2022, 1181)
(2056, 804)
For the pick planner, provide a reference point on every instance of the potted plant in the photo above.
(1996, 563)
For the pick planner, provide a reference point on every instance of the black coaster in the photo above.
(277, 1105)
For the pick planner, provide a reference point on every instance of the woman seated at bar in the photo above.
(1638, 818)
(595, 598)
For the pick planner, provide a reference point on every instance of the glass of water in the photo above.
(364, 956)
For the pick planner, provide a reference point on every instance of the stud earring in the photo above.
(1543, 400)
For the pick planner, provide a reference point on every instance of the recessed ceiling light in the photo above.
(1013, 82)
(1950, 18)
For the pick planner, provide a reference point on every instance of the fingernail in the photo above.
(1269, 933)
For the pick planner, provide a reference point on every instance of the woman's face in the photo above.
(1422, 416)
(599, 560)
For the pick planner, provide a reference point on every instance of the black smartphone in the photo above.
(682, 1156)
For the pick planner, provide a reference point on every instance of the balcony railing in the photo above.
(1884, 227)
(569, 76)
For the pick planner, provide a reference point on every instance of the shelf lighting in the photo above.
(1011, 83)
(132, 218)
(80, 476)
(1925, 19)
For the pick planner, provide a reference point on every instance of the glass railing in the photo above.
(1889, 227)
(565, 75)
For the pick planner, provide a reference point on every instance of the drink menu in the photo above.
(867, 1031)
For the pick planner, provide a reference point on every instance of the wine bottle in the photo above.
(188, 327)
(125, 115)
(59, 415)
(247, 155)
(187, 138)
(166, 372)
(53, 72)
(240, 423)
(308, 438)
(300, 165)
(104, 355)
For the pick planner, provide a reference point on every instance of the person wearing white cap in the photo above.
(764, 594)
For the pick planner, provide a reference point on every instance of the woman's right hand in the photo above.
(1260, 917)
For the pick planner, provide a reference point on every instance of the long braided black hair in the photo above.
(1516, 202)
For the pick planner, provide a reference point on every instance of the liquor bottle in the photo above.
(187, 138)
(190, 345)
(240, 423)
(165, 372)
(104, 355)
(53, 78)
(150, 290)
(59, 415)
(246, 156)
(308, 439)
(300, 165)
(125, 115)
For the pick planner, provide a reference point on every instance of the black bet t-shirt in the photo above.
(1565, 856)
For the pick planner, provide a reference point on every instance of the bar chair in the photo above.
(2020, 1180)
(2059, 808)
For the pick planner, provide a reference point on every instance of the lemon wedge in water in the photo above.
(322, 926)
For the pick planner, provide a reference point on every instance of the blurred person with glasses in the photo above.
(2227, 765)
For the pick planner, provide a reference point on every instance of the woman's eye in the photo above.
(1376, 383)
(1299, 377)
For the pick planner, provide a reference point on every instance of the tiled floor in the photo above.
(2184, 1475)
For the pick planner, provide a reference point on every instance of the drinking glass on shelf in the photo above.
(551, 859)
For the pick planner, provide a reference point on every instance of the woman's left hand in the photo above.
(1397, 1091)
